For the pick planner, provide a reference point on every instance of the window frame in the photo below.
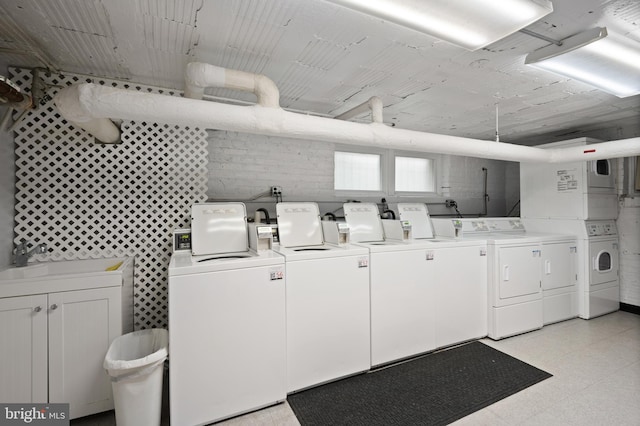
(435, 158)
(388, 172)
(383, 171)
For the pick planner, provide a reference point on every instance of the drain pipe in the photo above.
(374, 104)
(91, 106)
(485, 171)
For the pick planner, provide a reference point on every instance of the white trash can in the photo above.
(135, 362)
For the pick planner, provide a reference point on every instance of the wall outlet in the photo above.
(276, 191)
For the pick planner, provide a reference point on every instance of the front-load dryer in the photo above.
(598, 287)
(514, 275)
(226, 321)
(327, 300)
(558, 262)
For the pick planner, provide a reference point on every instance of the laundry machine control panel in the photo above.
(596, 229)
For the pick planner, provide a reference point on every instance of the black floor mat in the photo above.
(435, 389)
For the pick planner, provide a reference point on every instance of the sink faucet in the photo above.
(21, 253)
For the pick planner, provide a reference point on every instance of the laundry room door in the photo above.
(519, 268)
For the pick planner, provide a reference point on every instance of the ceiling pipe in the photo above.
(200, 76)
(91, 106)
(71, 106)
(374, 104)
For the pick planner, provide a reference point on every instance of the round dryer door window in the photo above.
(604, 258)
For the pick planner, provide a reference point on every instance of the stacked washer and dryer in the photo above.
(578, 198)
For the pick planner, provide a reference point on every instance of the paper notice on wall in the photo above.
(566, 180)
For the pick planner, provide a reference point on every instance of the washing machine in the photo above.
(226, 321)
(404, 274)
(327, 300)
(559, 279)
(460, 278)
(514, 275)
(598, 285)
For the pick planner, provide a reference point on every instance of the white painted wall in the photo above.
(242, 166)
(629, 229)
(6, 190)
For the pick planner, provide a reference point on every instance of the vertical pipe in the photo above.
(486, 195)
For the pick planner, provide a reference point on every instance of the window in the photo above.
(370, 171)
(355, 171)
(414, 174)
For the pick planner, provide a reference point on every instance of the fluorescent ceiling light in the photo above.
(607, 62)
(471, 24)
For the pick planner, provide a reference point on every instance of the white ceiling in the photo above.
(326, 59)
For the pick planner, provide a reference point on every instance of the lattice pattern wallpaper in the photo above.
(88, 200)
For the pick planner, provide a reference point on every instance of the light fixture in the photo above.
(607, 62)
(471, 24)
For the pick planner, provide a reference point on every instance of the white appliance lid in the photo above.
(299, 224)
(364, 222)
(418, 217)
(219, 228)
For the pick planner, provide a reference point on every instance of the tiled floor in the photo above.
(596, 379)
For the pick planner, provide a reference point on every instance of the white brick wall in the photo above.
(242, 166)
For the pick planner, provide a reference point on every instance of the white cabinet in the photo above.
(63, 336)
(23, 352)
(54, 343)
(82, 325)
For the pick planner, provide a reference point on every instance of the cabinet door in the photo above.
(82, 325)
(23, 351)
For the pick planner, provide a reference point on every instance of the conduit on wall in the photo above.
(91, 107)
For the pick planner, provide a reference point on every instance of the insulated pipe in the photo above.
(71, 108)
(102, 102)
(374, 104)
(84, 103)
(200, 75)
(597, 151)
